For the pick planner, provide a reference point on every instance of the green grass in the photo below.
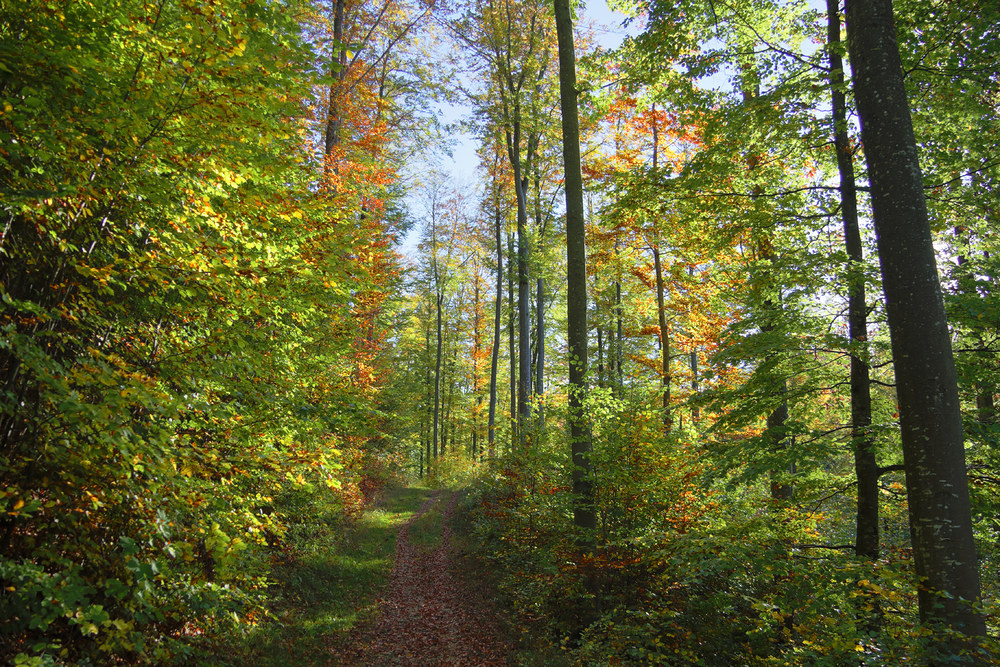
(328, 581)
(425, 533)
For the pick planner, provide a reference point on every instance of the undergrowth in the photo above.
(327, 574)
(686, 571)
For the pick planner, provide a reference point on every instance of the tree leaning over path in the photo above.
(926, 384)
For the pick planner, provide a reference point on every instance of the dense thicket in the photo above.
(193, 313)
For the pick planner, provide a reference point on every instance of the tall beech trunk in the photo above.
(660, 305)
(693, 363)
(448, 424)
(523, 287)
(865, 463)
(619, 337)
(926, 384)
(429, 414)
(511, 340)
(600, 357)
(540, 358)
(539, 306)
(439, 302)
(664, 338)
(338, 71)
(495, 354)
(584, 517)
(439, 340)
(476, 343)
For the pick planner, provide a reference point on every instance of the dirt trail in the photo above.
(429, 616)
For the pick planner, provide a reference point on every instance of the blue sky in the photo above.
(462, 165)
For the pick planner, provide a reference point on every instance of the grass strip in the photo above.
(327, 582)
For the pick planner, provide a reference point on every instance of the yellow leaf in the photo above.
(19, 504)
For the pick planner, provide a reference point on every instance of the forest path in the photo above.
(431, 614)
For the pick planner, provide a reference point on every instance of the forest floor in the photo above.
(402, 587)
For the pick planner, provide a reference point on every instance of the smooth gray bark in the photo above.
(495, 355)
(664, 339)
(584, 517)
(926, 383)
(865, 465)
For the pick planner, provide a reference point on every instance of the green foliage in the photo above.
(327, 576)
(177, 338)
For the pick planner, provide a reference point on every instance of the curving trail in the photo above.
(430, 616)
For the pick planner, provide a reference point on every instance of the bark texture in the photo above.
(865, 464)
(927, 389)
(576, 280)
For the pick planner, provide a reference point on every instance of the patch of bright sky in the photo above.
(461, 166)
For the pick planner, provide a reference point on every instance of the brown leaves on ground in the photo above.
(430, 615)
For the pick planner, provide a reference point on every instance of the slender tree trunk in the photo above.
(523, 288)
(448, 424)
(600, 358)
(664, 339)
(584, 517)
(539, 306)
(660, 305)
(476, 343)
(429, 396)
(926, 383)
(495, 354)
(439, 300)
(338, 71)
(693, 363)
(511, 341)
(616, 351)
(540, 333)
(865, 464)
(780, 490)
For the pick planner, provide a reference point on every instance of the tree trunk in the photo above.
(926, 383)
(338, 71)
(664, 339)
(429, 403)
(660, 306)
(693, 363)
(495, 354)
(448, 424)
(584, 517)
(511, 341)
(539, 305)
(540, 334)
(600, 357)
(476, 344)
(523, 287)
(437, 373)
(865, 464)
